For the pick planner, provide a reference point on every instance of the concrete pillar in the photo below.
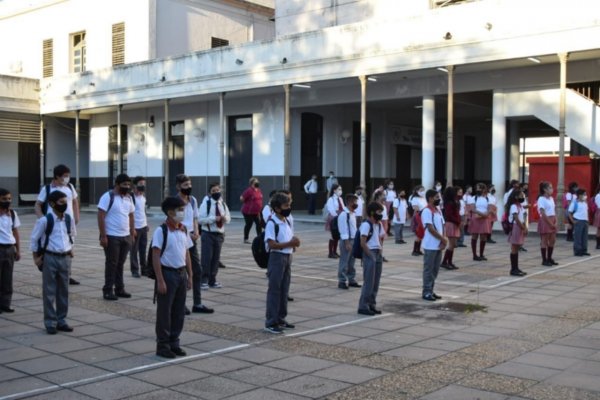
(515, 152)
(222, 141)
(166, 151)
(42, 155)
(77, 180)
(498, 146)
(563, 57)
(428, 143)
(287, 138)
(119, 149)
(363, 130)
(450, 131)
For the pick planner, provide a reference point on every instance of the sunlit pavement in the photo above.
(492, 336)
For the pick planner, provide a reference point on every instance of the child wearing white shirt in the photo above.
(578, 212)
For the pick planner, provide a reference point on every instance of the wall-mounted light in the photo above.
(442, 69)
(200, 134)
(239, 62)
(302, 85)
(284, 60)
(163, 78)
(533, 59)
(344, 136)
(151, 122)
(448, 36)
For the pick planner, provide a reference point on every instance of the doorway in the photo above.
(403, 167)
(29, 168)
(311, 146)
(176, 152)
(239, 158)
(113, 153)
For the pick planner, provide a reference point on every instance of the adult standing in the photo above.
(252, 203)
(310, 188)
(335, 205)
(332, 180)
(60, 181)
(116, 226)
(137, 258)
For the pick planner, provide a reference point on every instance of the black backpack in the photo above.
(149, 271)
(49, 228)
(335, 229)
(357, 250)
(45, 203)
(259, 251)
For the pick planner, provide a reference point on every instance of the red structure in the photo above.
(580, 169)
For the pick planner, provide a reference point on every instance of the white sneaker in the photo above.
(204, 286)
(216, 285)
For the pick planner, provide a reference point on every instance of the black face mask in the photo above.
(4, 205)
(436, 202)
(521, 200)
(186, 191)
(354, 206)
(216, 196)
(478, 192)
(286, 213)
(378, 217)
(141, 188)
(123, 190)
(493, 191)
(256, 185)
(60, 208)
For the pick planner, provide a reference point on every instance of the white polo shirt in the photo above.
(516, 209)
(139, 216)
(547, 204)
(400, 205)
(58, 241)
(178, 242)
(436, 219)
(69, 190)
(582, 210)
(6, 227)
(347, 224)
(116, 220)
(418, 203)
(374, 243)
(285, 234)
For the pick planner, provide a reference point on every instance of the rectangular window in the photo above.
(118, 44)
(78, 52)
(47, 58)
(216, 42)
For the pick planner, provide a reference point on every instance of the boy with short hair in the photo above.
(434, 242)
(347, 227)
(280, 242)
(10, 250)
(52, 247)
(371, 241)
(173, 269)
(399, 206)
(213, 215)
(137, 257)
(578, 214)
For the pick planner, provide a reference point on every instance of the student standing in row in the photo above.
(137, 257)
(462, 212)
(214, 214)
(61, 181)
(434, 242)
(360, 202)
(347, 227)
(493, 214)
(569, 198)
(547, 223)
(390, 196)
(117, 230)
(418, 203)
(10, 249)
(52, 248)
(578, 212)
(310, 188)
(516, 237)
(399, 220)
(334, 205)
(452, 226)
(280, 242)
(173, 269)
(371, 240)
(479, 225)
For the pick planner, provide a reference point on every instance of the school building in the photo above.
(418, 90)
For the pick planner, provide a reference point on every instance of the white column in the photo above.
(166, 129)
(287, 138)
(77, 180)
(42, 155)
(363, 130)
(222, 141)
(498, 146)
(563, 57)
(428, 144)
(515, 153)
(119, 149)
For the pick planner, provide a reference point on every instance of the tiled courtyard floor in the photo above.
(538, 339)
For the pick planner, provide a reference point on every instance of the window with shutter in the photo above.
(78, 52)
(217, 42)
(47, 58)
(118, 44)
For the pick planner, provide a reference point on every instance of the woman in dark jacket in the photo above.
(252, 203)
(452, 225)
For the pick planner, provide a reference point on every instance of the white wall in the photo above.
(60, 145)
(9, 154)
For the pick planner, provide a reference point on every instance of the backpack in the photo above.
(565, 202)
(45, 203)
(335, 229)
(506, 225)
(259, 250)
(149, 271)
(49, 228)
(12, 217)
(357, 250)
(416, 225)
(111, 200)
(410, 211)
(592, 206)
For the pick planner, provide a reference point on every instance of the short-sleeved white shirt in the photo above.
(399, 204)
(117, 218)
(374, 243)
(266, 212)
(462, 208)
(492, 199)
(6, 227)
(582, 209)
(139, 216)
(190, 211)
(347, 224)
(480, 202)
(285, 234)
(390, 195)
(69, 190)
(59, 241)
(333, 205)
(178, 242)
(418, 203)
(597, 201)
(520, 211)
(360, 202)
(384, 213)
(547, 204)
(436, 219)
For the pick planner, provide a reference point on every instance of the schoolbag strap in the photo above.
(165, 231)
(48, 231)
(68, 223)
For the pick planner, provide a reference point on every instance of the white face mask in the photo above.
(438, 187)
(390, 186)
(66, 180)
(338, 192)
(178, 216)
(421, 193)
(584, 198)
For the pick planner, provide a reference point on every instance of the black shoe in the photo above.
(7, 309)
(446, 266)
(136, 274)
(453, 267)
(569, 239)
(375, 310)
(477, 258)
(354, 284)
(553, 262)
(491, 241)
(437, 296)
(51, 330)
(547, 263)
(585, 253)
(416, 253)
(517, 272)
(275, 329)
(110, 296)
(342, 285)
(384, 259)
(366, 312)
(290, 298)
(221, 265)
(429, 297)
(402, 242)
(73, 282)
(202, 309)
(165, 353)
(187, 311)
(123, 294)
(482, 258)
(287, 325)
(522, 248)
(331, 255)
(64, 328)
(336, 255)
(178, 351)
(461, 245)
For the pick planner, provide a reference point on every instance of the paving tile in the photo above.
(310, 386)
(556, 392)
(301, 364)
(7, 374)
(169, 375)
(266, 394)
(72, 374)
(214, 387)
(24, 385)
(462, 393)
(163, 394)
(217, 364)
(257, 355)
(496, 383)
(546, 360)
(115, 388)
(417, 353)
(524, 371)
(64, 394)
(43, 364)
(19, 353)
(349, 373)
(578, 380)
(96, 354)
(260, 375)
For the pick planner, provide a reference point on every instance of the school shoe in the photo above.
(375, 310)
(204, 286)
(446, 266)
(437, 296)
(547, 263)
(461, 245)
(354, 284)
(287, 325)
(221, 265)
(522, 248)
(552, 262)
(290, 298)
(416, 253)
(110, 296)
(518, 272)
(178, 351)
(187, 311)
(123, 294)
(453, 267)
(64, 328)
(246, 241)
(366, 312)
(275, 329)
(429, 297)
(477, 258)
(202, 309)
(73, 282)
(216, 285)
(384, 259)
(585, 253)
(7, 309)
(492, 241)
(165, 353)
(136, 274)
(51, 330)
(342, 285)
